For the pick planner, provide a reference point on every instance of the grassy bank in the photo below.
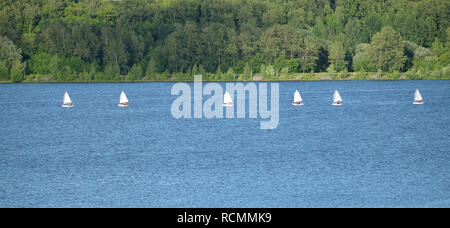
(324, 76)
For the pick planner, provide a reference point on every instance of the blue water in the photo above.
(378, 150)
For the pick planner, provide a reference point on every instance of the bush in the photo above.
(393, 76)
(343, 75)
(183, 77)
(135, 73)
(40, 63)
(446, 72)
(230, 75)
(436, 74)
(100, 76)
(247, 73)
(361, 75)
(309, 76)
(76, 64)
(268, 72)
(413, 75)
(379, 74)
(331, 69)
(4, 72)
(285, 73)
(340, 76)
(17, 72)
(112, 71)
(86, 76)
(362, 59)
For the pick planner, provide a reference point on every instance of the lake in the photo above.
(378, 150)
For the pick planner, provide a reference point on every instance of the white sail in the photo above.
(297, 97)
(67, 99)
(417, 96)
(337, 97)
(227, 98)
(123, 98)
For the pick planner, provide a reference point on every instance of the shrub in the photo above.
(308, 76)
(135, 73)
(446, 72)
(379, 74)
(230, 75)
(343, 75)
(393, 76)
(361, 75)
(285, 73)
(413, 75)
(17, 72)
(4, 72)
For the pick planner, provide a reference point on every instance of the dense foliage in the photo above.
(86, 40)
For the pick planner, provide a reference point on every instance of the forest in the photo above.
(224, 40)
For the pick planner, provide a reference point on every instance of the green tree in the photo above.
(387, 50)
(54, 66)
(437, 48)
(337, 56)
(9, 53)
(285, 73)
(135, 73)
(4, 72)
(17, 72)
(230, 75)
(40, 63)
(363, 61)
(64, 37)
(112, 71)
(248, 73)
(151, 69)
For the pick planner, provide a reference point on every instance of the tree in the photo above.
(309, 55)
(112, 71)
(268, 72)
(135, 73)
(194, 70)
(17, 72)
(115, 52)
(284, 73)
(40, 63)
(337, 56)
(248, 73)
(387, 50)
(151, 69)
(64, 37)
(31, 12)
(437, 48)
(4, 72)
(9, 53)
(231, 75)
(363, 61)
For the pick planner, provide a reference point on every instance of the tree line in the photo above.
(113, 40)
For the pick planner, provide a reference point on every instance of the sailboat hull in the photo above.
(122, 105)
(295, 104)
(417, 103)
(67, 106)
(227, 105)
(336, 104)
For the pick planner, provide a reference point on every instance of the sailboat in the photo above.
(67, 103)
(337, 100)
(123, 100)
(417, 98)
(298, 101)
(227, 100)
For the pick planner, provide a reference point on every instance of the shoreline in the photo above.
(295, 77)
(236, 81)
(258, 77)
